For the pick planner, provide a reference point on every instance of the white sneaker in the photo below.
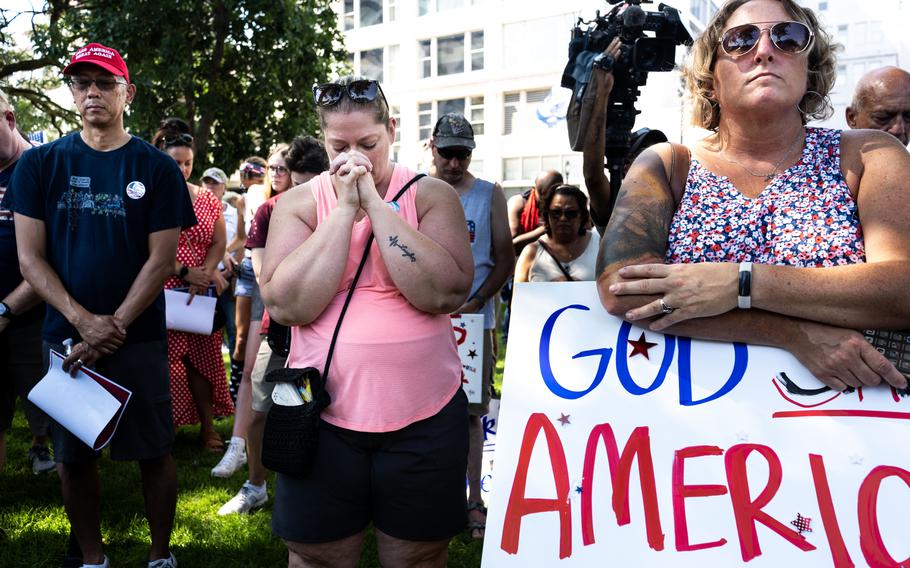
(169, 562)
(105, 564)
(248, 498)
(234, 458)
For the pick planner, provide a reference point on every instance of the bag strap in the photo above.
(556, 260)
(347, 300)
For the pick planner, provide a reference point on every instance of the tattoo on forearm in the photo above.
(638, 227)
(393, 242)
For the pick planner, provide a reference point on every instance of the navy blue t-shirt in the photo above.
(10, 277)
(99, 209)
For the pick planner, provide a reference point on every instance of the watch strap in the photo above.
(744, 295)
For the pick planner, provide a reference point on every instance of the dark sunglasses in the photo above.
(456, 152)
(181, 139)
(362, 91)
(789, 37)
(570, 214)
(84, 83)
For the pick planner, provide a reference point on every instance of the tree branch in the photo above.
(27, 65)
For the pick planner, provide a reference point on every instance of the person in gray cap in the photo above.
(494, 258)
(215, 180)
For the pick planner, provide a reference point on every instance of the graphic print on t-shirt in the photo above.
(79, 197)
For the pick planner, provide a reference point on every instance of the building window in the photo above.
(371, 64)
(370, 13)
(425, 120)
(519, 110)
(348, 15)
(450, 105)
(425, 58)
(476, 51)
(476, 117)
(393, 56)
(521, 171)
(450, 55)
(822, 6)
(392, 7)
(395, 112)
(425, 7)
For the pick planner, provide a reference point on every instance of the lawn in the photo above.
(34, 529)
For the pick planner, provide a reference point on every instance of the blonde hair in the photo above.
(282, 150)
(699, 69)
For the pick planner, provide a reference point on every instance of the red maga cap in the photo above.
(105, 57)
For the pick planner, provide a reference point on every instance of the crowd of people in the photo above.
(767, 231)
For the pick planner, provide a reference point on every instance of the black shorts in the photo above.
(146, 430)
(410, 483)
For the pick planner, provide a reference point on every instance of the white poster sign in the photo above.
(619, 446)
(468, 330)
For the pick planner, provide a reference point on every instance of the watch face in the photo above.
(4, 310)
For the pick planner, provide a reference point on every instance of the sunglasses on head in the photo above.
(361, 91)
(456, 152)
(570, 214)
(181, 139)
(788, 37)
(84, 83)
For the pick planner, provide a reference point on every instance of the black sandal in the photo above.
(477, 525)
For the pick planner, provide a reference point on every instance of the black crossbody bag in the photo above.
(290, 441)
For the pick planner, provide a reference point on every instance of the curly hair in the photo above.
(568, 191)
(699, 69)
(307, 155)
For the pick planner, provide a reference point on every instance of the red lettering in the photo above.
(681, 491)
(638, 444)
(839, 553)
(519, 505)
(870, 537)
(745, 510)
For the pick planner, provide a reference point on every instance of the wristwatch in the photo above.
(6, 312)
(183, 271)
(603, 61)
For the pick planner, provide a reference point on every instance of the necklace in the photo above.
(775, 170)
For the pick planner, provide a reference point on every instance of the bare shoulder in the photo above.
(871, 154)
(298, 203)
(432, 193)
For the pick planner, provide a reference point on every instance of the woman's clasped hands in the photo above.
(351, 172)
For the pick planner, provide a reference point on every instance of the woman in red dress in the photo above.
(199, 389)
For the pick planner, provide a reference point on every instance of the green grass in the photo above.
(34, 529)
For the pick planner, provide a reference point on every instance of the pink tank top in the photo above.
(393, 364)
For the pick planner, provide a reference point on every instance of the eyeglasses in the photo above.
(570, 214)
(278, 170)
(789, 37)
(362, 91)
(181, 139)
(455, 152)
(83, 83)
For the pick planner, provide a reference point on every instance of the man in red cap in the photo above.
(97, 217)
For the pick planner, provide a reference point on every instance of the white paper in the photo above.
(80, 404)
(468, 330)
(197, 317)
(571, 368)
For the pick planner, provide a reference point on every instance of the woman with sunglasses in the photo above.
(753, 234)
(567, 251)
(393, 442)
(199, 389)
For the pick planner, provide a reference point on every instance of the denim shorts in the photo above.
(246, 280)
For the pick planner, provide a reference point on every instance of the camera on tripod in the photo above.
(648, 42)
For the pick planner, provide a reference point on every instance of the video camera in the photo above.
(639, 55)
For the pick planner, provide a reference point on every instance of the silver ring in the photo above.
(80, 362)
(664, 308)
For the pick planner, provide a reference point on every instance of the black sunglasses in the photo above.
(570, 214)
(181, 139)
(789, 37)
(455, 152)
(84, 83)
(361, 91)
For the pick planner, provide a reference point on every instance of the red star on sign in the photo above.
(640, 346)
(563, 419)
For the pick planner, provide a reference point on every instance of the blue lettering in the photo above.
(489, 425)
(741, 360)
(622, 363)
(546, 370)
